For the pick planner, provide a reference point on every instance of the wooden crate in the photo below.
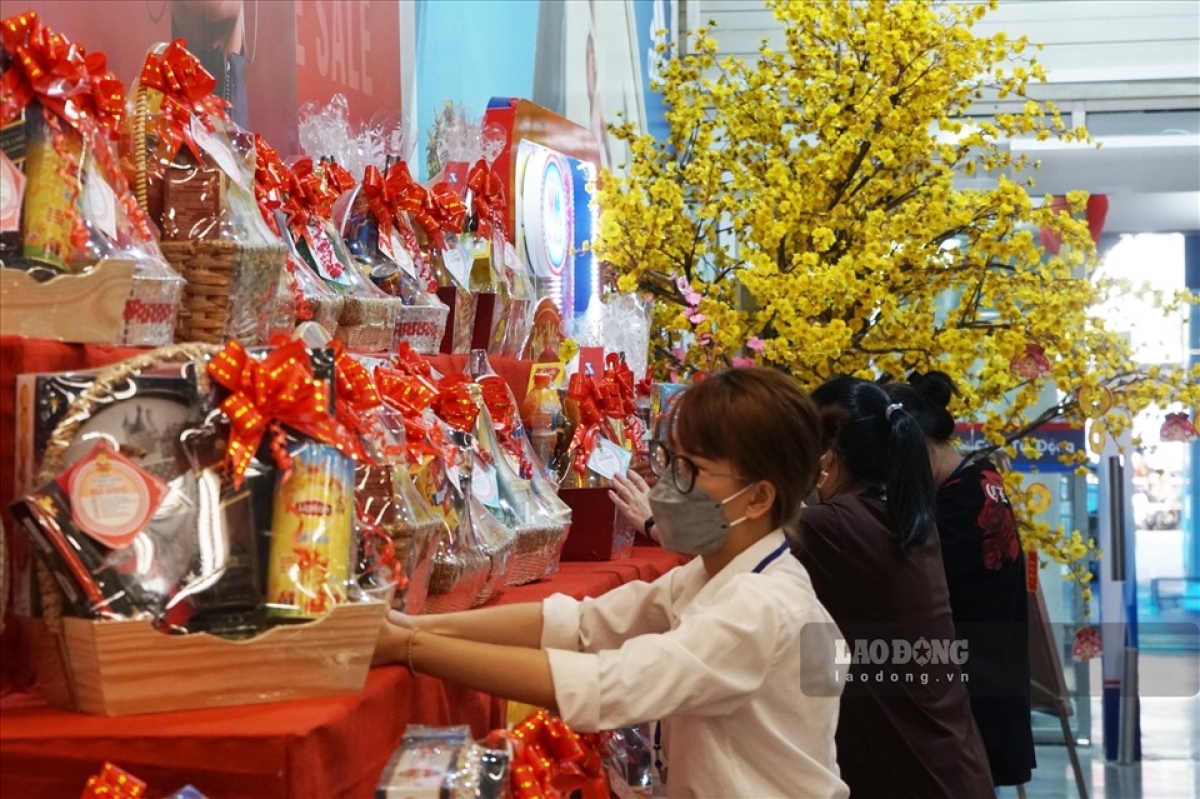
(84, 309)
(121, 668)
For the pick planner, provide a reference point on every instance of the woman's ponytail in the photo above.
(910, 489)
(882, 444)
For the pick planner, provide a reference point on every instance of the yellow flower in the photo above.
(809, 196)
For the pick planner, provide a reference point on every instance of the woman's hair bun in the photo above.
(936, 388)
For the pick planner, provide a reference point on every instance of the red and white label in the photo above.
(112, 498)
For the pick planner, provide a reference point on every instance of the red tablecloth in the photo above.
(310, 749)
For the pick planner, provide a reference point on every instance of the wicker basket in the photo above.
(422, 327)
(119, 668)
(229, 289)
(229, 286)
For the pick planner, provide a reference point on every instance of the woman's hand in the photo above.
(392, 644)
(402, 619)
(631, 494)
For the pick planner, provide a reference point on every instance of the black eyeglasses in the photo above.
(682, 468)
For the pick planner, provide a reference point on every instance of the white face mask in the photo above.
(692, 523)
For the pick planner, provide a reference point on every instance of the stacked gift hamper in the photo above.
(241, 503)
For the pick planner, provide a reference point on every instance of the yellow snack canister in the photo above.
(311, 534)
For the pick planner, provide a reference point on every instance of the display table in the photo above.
(309, 749)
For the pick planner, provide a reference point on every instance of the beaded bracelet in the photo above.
(408, 651)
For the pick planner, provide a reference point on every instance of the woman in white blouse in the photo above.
(713, 648)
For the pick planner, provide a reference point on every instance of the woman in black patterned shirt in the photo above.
(985, 572)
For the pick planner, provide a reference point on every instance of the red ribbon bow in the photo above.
(487, 193)
(411, 395)
(307, 198)
(280, 388)
(454, 404)
(113, 783)
(356, 394)
(550, 760)
(74, 86)
(271, 180)
(187, 90)
(381, 198)
(444, 204)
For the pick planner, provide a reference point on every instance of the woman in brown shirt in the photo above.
(871, 548)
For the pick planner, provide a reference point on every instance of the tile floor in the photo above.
(1170, 768)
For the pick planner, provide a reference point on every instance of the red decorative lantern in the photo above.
(1032, 364)
(1095, 214)
(1177, 427)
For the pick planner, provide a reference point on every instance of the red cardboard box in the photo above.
(598, 530)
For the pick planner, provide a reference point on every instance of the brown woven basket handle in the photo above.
(77, 413)
(141, 111)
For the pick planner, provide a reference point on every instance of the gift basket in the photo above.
(456, 407)
(194, 173)
(368, 318)
(76, 214)
(510, 483)
(459, 569)
(460, 259)
(159, 574)
(377, 234)
(387, 498)
(302, 296)
(604, 432)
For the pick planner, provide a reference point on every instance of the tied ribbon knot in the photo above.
(444, 205)
(279, 389)
(381, 198)
(187, 91)
(271, 180)
(411, 395)
(487, 197)
(593, 400)
(500, 405)
(113, 783)
(617, 371)
(356, 395)
(454, 404)
(306, 199)
(412, 198)
(551, 761)
(69, 83)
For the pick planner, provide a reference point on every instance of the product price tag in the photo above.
(325, 257)
(484, 485)
(457, 265)
(511, 260)
(101, 203)
(609, 459)
(12, 194)
(393, 247)
(112, 498)
(219, 151)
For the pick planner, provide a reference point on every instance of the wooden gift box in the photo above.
(121, 668)
(86, 308)
(598, 530)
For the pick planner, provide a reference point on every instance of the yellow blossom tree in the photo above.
(803, 213)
